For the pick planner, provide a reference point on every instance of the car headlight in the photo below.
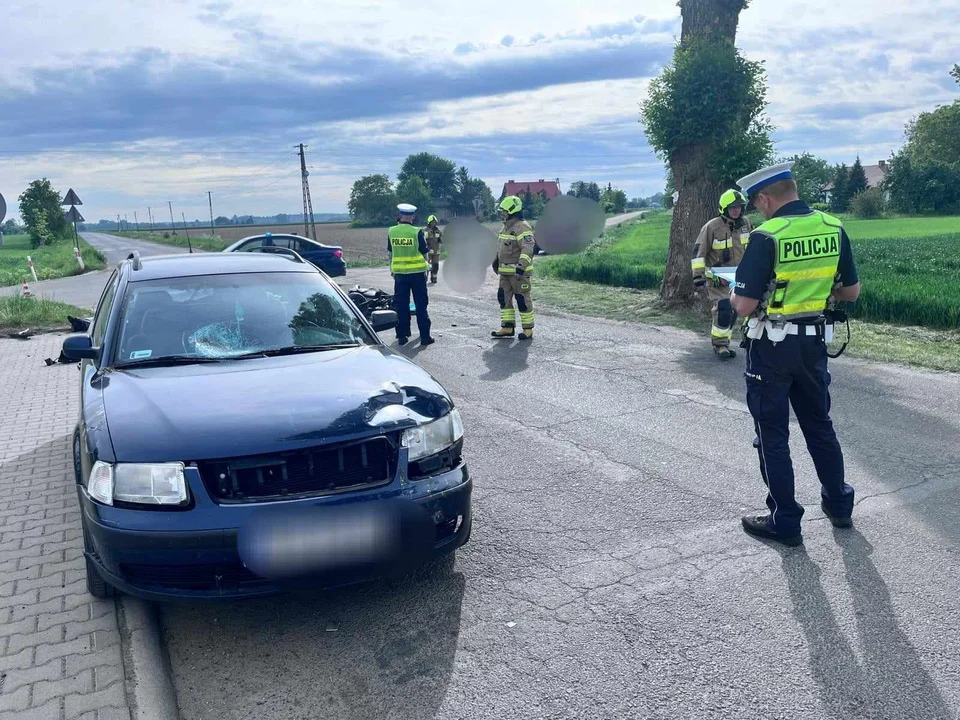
(141, 484)
(433, 437)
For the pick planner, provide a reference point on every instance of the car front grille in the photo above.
(310, 472)
(197, 578)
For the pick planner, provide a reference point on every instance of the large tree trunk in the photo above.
(694, 179)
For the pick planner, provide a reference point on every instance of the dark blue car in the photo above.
(328, 258)
(243, 430)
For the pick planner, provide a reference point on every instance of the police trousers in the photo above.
(794, 373)
(515, 287)
(405, 284)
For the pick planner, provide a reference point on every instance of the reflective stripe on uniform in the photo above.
(526, 320)
(698, 263)
(724, 333)
(524, 256)
(722, 244)
(811, 274)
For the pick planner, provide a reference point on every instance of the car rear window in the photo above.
(222, 316)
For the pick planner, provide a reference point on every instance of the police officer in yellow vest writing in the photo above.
(795, 263)
(407, 247)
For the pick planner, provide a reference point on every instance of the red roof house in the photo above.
(549, 189)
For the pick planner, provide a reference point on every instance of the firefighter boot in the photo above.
(504, 332)
(526, 334)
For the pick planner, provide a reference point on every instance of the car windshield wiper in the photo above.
(296, 349)
(169, 360)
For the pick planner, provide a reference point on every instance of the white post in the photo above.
(76, 252)
(33, 270)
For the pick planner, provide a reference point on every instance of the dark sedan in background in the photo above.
(328, 258)
(242, 428)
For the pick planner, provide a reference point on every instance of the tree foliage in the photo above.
(372, 200)
(812, 175)
(868, 204)
(414, 190)
(587, 190)
(41, 212)
(857, 182)
(613, 200)
(438, 173)
(533, 205)
(839, 196)
(710, 95)
(924, 174)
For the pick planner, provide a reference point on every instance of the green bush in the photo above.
(822, 207)
(868, 204)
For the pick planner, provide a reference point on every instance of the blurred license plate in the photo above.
(299, 541)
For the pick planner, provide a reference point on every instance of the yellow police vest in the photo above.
(805, 269)
(405, 257)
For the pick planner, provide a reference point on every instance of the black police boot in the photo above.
(401, 341)
(761, 527)
(427, 340)
(838, 522)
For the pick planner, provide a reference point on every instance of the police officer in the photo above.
(434, 238)
(407, 247)
(797, 263)
(514, 264)
(721, 244)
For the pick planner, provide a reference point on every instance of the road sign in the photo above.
(3, 208)
(71, 198)
(73, 215)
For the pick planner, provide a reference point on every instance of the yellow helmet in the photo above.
(511, 205)
(431, 219)
(731, 197)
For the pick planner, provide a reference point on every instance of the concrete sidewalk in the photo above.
(60, 649)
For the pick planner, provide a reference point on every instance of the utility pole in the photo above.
(173, 224)
(150, 217)
(136, 221)
(307, 202)
(210, 200)
(186, 231)
(118, 223)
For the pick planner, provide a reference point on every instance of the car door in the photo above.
(307, 250)
(91, 392)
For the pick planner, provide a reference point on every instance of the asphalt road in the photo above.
(607, 575)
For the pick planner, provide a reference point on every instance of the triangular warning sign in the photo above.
(71, 198)
(73, 215)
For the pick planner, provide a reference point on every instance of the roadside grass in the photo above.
(907, 345)
(17, 313)
(910, 280)
(212, 243)
(51, 261)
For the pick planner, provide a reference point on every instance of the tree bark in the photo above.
(694, 178)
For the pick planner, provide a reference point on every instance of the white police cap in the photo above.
(755, 182)
(406, 208)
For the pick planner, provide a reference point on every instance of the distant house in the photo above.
(874, 175)
(548, 189)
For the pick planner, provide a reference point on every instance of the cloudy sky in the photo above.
(137, 102)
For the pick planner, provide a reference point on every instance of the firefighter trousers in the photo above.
(723, 315)
(515, 287)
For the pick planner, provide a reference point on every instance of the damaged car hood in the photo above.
(264, 405)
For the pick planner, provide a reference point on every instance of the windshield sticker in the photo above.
(140, 354)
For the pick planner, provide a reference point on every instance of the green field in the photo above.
(908, 266)
(209, 242)
(54, 261)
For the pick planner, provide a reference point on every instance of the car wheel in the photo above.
(96, 585)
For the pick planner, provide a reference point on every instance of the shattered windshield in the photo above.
(226, 316)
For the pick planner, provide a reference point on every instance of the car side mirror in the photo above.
(80, 347)
(383, 320)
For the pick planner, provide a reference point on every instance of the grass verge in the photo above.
(212, 243)
(17, 313)
(916, 346)
(51, 262)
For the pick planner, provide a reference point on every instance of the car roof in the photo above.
(293, 236)
(155, 267)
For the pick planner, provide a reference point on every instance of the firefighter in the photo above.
(434, 238)
(514, 263)
(721, 243)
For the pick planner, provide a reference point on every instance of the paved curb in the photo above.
(149, 680)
